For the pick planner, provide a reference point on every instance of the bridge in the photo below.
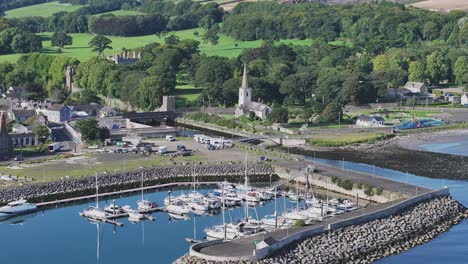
(152, 117)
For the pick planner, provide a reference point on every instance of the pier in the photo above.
(121, 192)
(265, 244)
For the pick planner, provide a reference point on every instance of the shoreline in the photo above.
(400, 154)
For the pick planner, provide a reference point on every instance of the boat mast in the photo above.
(97, 192)
(142, 186)
(222, 201)
(246, 189)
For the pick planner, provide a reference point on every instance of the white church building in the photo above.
(246, 105)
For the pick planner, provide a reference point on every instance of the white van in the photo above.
(163, 150)
(170, 138)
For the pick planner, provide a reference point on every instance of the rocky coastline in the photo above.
(368, 242)
(132, 179)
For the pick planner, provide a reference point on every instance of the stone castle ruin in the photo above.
(126, 57)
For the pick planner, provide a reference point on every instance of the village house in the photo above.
(416, 87)
(90, 109)
(370, 121)
(23, 136)
(56, 113)
(22, 115)
(464, 99)
(107, 112)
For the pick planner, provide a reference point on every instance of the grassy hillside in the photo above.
(42, 10)
(227, 46)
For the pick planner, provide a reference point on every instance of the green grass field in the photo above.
(42, 10)
(227, 46)
(186, 95)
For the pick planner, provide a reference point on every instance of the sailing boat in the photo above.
(145, 205)
(94, 212)
(274, 220)
(194, 239)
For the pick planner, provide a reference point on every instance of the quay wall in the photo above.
(265, 252)
(112, 182)
(390, 210)
(270, 250)
(325, 182)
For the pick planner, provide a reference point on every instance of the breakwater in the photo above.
(368, 242)
(111, 182)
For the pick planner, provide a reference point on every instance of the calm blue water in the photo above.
(58, 236)
(455, 148)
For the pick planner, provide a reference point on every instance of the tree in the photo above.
(460, 69)
(430, 30)
(331, 112)
(172, 40)
(278, 114)
(437, 68)
(151, 90)
(100, 43)
(104, 133)
(60, 39)
(417, 71)
(211, 36)
(89, 128)
(42, 133)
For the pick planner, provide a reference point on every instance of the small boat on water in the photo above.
(94, 212)
(145, 205)
(17, 208)
(178, 208)
(113, 209)
(135, 216)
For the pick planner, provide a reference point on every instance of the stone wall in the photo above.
(390, 210)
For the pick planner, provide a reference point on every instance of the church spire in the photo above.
(245, 83)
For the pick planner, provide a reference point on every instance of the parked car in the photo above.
(170, 138)
(181, 148)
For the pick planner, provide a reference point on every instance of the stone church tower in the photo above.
(69, 74)
(245, 92)
(6, 143)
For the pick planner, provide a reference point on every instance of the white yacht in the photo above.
(197, 205)
(178, 208)
(113, 209)
(135, 216)
(16, 208)
(229, 231)
(145, 205)
(195, 195)
(94, 212)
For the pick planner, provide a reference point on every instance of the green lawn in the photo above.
(42, 10)
(344, 139)
(227, 46)
(186, 95)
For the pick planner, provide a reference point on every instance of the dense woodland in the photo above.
(378, 46)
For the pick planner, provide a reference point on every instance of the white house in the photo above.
(56, 113)
(370, 121)
(246, 105)
(464, 99)
(107, 112)
(416, 87)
